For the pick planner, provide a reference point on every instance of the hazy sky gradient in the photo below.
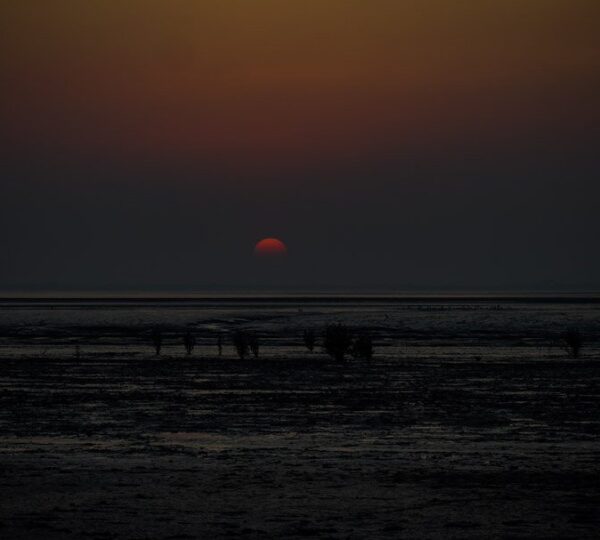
(417, 144)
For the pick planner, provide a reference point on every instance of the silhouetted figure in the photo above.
(220, 344)
(254, 344)
(157, 339)
(240, 342)
(189, 342)
(309, 339)
(337, 341)
(363, 347)
(572, 341)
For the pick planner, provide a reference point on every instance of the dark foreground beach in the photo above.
(480, 433)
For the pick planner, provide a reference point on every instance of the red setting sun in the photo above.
(269, 247)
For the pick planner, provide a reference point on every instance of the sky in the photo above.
(392, 145)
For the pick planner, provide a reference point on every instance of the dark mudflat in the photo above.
(122, 447)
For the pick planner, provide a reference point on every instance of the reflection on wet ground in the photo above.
(398, 447)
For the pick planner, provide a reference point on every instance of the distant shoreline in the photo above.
(308, 299)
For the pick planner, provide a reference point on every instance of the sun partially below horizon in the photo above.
(270, 247)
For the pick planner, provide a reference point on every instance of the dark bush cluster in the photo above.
(339, 340)
(157, 339)
(572, 341)
(189, 342)
(240, 343)
(220, 344)
(363, 347)
(254, 344)
(309, 339)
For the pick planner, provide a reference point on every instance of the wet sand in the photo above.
(415, 447)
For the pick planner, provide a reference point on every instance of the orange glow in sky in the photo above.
(281, 83)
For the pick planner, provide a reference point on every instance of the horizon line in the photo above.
(544, 296)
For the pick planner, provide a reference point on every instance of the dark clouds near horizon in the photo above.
(449, 176)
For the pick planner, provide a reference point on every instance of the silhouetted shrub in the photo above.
(337, 341)
(309, 339)
(240, 342)
(189, 342)
(254, 344)
(363, 347)
(572, 341)
(157, 340)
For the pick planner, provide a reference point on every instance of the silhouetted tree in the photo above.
(157, 339)
(240, 342)
(572, 341)
(254, 344)
(337, 341)
(363, 347)
(309, 339)
(189, 342)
